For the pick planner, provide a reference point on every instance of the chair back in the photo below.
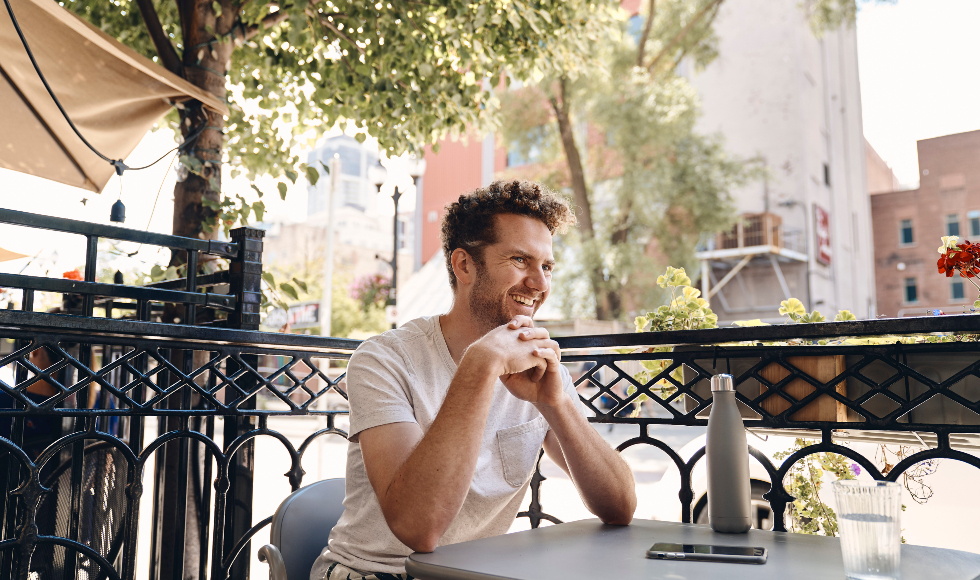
(303, 522)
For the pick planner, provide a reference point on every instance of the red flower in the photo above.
(73, 275)
(964, 259)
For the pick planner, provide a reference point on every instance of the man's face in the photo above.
(515, 276)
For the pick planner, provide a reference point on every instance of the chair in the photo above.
(300, 529)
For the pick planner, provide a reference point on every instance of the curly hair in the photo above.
(469, 222)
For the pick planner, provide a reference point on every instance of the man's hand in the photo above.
(541, 384)
(525, 358)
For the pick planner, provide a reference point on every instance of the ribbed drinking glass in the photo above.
(870, 532)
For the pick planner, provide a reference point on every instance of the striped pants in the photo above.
(338, 571)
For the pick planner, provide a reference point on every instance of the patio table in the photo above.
(590, 549)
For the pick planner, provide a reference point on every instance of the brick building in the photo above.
(908, 226)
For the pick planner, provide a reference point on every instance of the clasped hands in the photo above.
(526, 359)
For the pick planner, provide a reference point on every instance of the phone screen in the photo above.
(705, 549)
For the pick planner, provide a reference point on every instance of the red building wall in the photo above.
(454, 170)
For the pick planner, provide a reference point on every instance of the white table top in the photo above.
(590, 549)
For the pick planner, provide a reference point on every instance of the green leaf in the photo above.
(361, 137)
(259, 209)
(257, 190)
(216, 6)
(792, 308)
(282, 190)
(312, 175)
(288, 289)
(844, 315)
(269, 279)
(302, 285)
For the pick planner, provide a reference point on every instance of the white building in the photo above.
(791, 102)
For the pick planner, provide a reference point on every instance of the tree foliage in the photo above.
(622, 138)
(405, 73)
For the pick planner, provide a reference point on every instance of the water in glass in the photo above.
(871, 546)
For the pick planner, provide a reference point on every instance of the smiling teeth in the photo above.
(523, 300)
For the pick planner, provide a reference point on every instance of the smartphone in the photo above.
(706, 553)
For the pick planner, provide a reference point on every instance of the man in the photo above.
(448, 413)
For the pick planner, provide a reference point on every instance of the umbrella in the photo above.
(112, 94)
(7, 255)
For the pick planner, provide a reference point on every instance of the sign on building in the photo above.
(822, 233)
(299, 316)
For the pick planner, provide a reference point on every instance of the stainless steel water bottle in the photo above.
(727, 454)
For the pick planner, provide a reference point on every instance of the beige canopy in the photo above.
(111, 93)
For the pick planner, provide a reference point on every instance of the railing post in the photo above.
(246, 283)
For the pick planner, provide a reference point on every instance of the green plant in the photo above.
(808, 514)
(686, 310)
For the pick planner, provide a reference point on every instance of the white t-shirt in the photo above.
(403, 375)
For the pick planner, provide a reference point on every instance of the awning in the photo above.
(112, 94)
(7, 255)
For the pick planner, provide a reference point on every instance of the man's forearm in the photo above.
(428, 490)
(600, 474)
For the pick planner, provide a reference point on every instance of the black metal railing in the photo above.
(139, 367)
(83, 393)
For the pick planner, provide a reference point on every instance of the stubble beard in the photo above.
(486, 308)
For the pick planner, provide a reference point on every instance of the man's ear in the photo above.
(463, 266)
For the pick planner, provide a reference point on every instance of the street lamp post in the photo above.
(378, 174)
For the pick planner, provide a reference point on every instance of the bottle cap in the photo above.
(722, 383)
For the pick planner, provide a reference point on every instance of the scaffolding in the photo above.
(755, 236)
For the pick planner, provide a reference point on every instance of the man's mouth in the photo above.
(522, 300)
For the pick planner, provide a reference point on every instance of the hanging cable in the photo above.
(118, 164)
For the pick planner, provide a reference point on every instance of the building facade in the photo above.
(790, 103)
(908, 226)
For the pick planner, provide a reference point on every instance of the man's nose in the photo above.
(537, 280)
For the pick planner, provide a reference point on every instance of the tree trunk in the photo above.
(205, 65)
(606, 305)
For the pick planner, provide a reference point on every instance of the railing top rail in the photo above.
(962, 323)
(94, 327)
(223, 301)
(776, 333)
(33, 220)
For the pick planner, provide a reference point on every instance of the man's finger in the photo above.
(534, 334)
(519, 321)
(550, 356)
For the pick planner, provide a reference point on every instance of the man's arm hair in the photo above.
(422, 480)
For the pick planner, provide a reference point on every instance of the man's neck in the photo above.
(459, 329)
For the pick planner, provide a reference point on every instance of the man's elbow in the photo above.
(418, 540)
(419, 536)
(619, 513)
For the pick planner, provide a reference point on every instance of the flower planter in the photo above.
(822, 368)
(935, 366)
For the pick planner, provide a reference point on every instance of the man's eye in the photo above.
(519, 259)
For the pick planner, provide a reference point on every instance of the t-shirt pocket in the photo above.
(519, 446)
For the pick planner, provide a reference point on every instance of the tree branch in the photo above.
(270, 20)
(161, 42)
(687, 49)
(646, 33)
(683, 32)
(335, 30)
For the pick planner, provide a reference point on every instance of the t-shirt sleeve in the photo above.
(569, 387)
(378, 380)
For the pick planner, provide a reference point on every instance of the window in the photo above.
(826, 175)
(905, 237)
(911, 291)
(956, 290)
(953, 224)
(974, 219)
